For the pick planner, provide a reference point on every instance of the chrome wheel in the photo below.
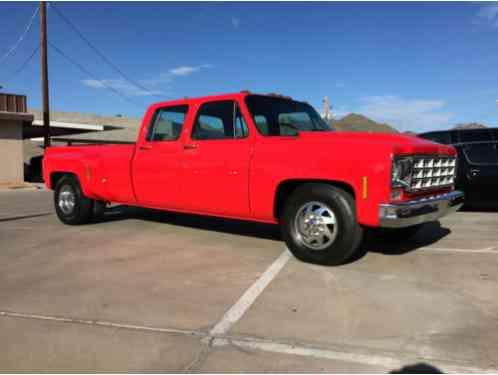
(315, 225)
(67, 199)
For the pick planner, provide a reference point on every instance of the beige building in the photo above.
(13, 118)
(21, 135)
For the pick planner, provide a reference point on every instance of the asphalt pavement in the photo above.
(145, 290)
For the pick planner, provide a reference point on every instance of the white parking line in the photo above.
(487, 250)
(385, 362)
(250, 295)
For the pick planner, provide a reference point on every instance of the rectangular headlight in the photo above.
(401, 172)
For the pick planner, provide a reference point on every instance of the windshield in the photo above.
(275, 116)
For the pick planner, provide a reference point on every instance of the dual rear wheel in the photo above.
(72, 206)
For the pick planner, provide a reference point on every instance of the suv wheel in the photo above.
(319, 224)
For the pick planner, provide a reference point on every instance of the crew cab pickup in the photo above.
(264, 158)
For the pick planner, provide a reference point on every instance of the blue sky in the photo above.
(419, 66)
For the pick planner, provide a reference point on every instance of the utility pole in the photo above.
(44, 74)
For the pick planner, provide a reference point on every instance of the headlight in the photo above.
(401, 172)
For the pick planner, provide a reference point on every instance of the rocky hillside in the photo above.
(357, 122)
(470, 125)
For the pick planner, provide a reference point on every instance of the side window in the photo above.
(219, 120)
(290, 122)
(494, 133)
(167, 123)
(481, 135)
(241, 129)
(261, 124)
(481, 153)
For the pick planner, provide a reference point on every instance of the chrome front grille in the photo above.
(431, 172)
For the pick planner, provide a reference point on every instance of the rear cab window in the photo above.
(219, 120)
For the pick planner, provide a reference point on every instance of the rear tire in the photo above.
(98, 210)
(71, 206)
(319, 224)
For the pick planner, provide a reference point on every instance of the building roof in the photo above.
(105, 128)
(16, 116)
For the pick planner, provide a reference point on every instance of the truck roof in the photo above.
(236, 95)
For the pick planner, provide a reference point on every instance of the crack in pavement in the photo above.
(247, 343)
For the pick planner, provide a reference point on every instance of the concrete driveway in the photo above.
(152, 291)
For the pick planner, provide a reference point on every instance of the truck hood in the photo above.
(396, 143)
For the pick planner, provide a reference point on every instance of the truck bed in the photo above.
(105, 168)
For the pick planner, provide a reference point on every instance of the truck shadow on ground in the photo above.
(208, 223)
(374, 241)
(418, 368)
(377, 242)
(480, 206)
(429, 234)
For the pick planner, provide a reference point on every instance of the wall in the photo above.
(11, 153)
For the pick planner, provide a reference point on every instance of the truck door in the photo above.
(216, 161)
(157, 163)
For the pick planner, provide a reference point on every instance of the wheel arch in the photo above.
(55, 177)
(287, 187)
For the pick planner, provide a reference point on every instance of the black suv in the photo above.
(477, 169)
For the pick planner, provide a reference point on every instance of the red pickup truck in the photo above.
(265, 158)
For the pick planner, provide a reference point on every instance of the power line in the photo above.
(101, 55)
(21, 38)
(84, 70)
(23, 65)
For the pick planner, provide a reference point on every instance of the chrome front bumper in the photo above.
(405, 214)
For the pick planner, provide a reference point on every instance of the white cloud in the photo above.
(406, 114)
(121, 86)
(151, 84)
(235, 22)
(188, 70)
(488, 15)
(184, 70)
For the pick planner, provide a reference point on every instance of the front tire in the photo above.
(71, 206)
(319, 224)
